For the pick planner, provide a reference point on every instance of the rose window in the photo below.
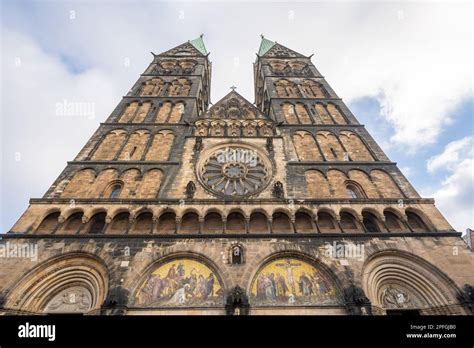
(235, 170)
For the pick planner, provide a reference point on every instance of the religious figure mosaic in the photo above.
(292, 282)
(181, 282)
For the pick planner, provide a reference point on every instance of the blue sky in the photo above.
(404, 69)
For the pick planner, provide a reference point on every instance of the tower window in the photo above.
(354, 191)
(115, 191)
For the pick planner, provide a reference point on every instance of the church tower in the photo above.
(282, 206)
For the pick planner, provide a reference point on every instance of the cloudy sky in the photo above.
(405, 69)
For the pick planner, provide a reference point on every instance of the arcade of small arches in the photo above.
(123, 220)
(355, 184)
(78, 282)
(234, 128)
(167, 112)
(110, 184)
(172, 67)
(328, 146)
(319, 113)
(289, 67)
(139, 145)
(304, 89)
(157, 87)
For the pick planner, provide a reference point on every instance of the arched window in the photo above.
(393, 222)
(119, 224)
(115, 191)
(326, 223)
(370, 222)
(416, 223)
(235, 223)
(49, 223)
(189, 223)
(72, 224)
(213, 223)
(166, 223)
(303, 223)
(97, 223)
(349, 223)
(281, 223)
(143, 223)
(354, 191)
(258, 223)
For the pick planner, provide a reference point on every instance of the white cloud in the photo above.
(455, 196)
(452, 155)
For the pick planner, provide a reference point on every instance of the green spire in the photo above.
(265, 46)
(199, 44)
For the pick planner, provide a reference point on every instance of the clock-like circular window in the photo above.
(234, 170)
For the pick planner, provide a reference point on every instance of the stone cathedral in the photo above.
(282, 206)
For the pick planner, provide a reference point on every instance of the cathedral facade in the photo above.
(282, 206)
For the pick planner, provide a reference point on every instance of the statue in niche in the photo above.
(278, 191)
(270, 145)
(190, 190)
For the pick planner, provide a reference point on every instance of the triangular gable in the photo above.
(278, 50)
(186, 49)
(234, 106)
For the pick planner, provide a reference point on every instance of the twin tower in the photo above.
(285, 206)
